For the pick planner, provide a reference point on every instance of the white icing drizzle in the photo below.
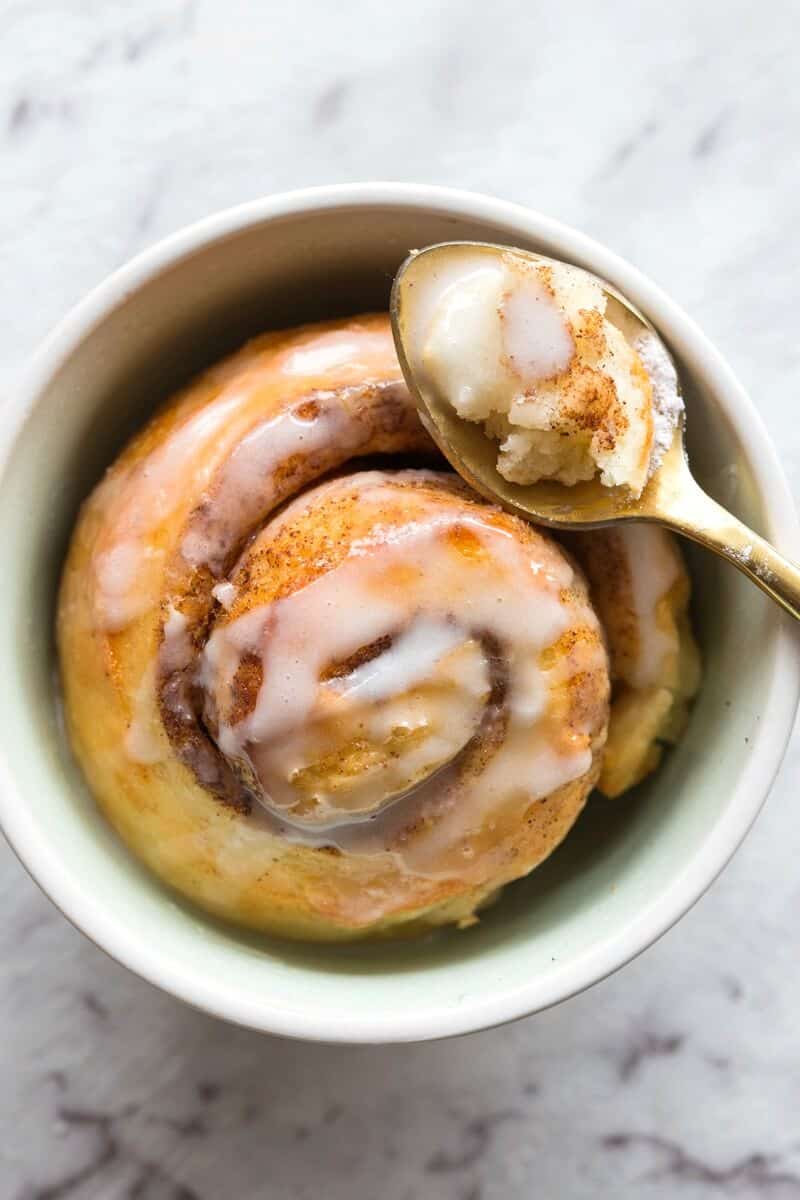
(126, 584)
(224, 593)
(464, 351)
(436, 720)
(127, 581)
(144, 740)
(118, 582)
(333, 351)
(494, 334)
(248, 481)
(410, 660)
(128, 562)
(347, 608)
(653, 567)
(536, 338)
(176, 647)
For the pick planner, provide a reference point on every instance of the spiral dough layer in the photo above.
(323, 696)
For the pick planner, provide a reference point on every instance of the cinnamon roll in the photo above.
(317, 685)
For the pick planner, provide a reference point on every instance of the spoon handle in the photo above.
(694, 514)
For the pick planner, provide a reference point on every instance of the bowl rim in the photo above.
(767, 746)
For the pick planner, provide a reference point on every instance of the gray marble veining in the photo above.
(671, 133)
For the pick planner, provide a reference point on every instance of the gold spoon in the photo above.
(672, 496)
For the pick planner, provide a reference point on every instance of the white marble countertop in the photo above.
(670, 132)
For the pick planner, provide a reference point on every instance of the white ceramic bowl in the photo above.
(627, 871)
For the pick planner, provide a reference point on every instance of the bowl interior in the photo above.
(616, 862)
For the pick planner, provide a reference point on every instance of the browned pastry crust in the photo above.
(641, 590)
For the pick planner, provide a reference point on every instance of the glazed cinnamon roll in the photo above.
(318, 685)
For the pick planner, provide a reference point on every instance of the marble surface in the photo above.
(671, 133)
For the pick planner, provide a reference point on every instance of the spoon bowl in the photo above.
(671, 496)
